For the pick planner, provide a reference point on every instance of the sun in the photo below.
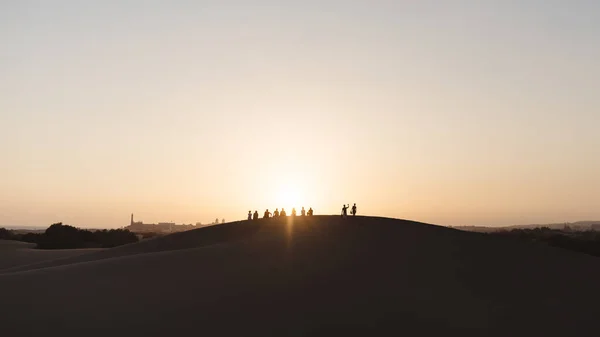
(290, 195)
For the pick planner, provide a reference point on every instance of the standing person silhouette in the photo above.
(282, 213)
(302, 212)
(310, 211)
(345, 210)
(255, 217)
(276, 213)
(353, 210)
(267, 214)
(249, 215)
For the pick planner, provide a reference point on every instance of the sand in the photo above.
(318, 276)
(15, 254)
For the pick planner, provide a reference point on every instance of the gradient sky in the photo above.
(449, 112)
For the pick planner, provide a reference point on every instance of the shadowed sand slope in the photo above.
(318, 276)
(183, 240)
(15, 254)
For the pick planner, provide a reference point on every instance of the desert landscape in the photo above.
(448, 151)
(303, 276)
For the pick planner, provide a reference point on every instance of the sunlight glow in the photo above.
(290, 195)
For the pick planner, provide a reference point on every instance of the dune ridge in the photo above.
(311, 277)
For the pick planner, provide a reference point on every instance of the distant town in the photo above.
(164, 227)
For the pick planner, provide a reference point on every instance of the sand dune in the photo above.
(316, 276)
(191, 239)
(15, 254)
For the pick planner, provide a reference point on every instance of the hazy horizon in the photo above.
(40, 227)
(447, 112)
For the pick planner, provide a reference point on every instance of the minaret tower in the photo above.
(131, 224)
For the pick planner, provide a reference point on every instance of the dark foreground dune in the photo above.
(319, 276)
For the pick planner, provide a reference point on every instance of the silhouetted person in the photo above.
(276, 213)
(345, 210)
(249, 215)
(310, 212)
(294, 211)
(302, 212)
(282, 213)
(255, 217)
(267, 214)
(353, 210)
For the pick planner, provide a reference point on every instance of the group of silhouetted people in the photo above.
(277, 213)
(345, 210)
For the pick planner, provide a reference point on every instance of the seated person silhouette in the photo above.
(282, 213)
(249, 215)
(310, 211)
(294, 211)
(276, 213)
(255, 217)
(267, 214)
(302, 212)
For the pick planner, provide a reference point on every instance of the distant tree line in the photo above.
(6, 234)
(587, 242)
(59, 236)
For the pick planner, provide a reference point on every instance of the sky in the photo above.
(447, 112)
